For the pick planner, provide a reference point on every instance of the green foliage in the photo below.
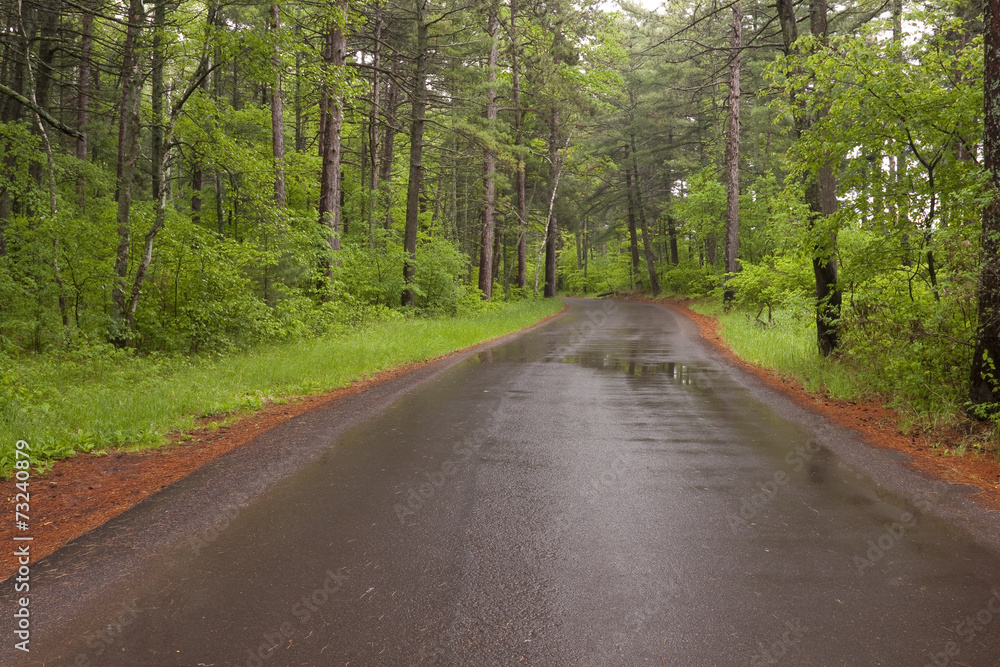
(776, 282)
(688, 279)
(918, 338)
(604, 272)
(438, 263)
(877, 101)
(18, 151)
(373, 276)
(703, 211)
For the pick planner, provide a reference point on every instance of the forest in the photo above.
(194, 177)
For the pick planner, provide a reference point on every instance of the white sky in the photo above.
(650, 5)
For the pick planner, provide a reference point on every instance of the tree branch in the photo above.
(54, 122)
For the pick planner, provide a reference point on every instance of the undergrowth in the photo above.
(786, 343)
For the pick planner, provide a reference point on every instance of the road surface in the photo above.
(602, 490)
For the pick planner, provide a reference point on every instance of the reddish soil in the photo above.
(81, 493)
(879, 425)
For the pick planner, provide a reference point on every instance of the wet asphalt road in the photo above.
(602, 490)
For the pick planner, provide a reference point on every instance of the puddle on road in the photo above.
(630, 366)
(623, 356)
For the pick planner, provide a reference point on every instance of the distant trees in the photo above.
(224, 174)
(858, 171)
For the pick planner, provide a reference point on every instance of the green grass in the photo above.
(788, 346)
(91, 402)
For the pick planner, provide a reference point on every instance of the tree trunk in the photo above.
(672, 234)
(552, 231)
(820, 191)
(83, 101)
(388, 143)
(334, 57)
(415, 181)
(489, 161)
(711, 249)
(519, 176)
(39, 78)
(158, 160)
(128, 152)
(671, 223)
(220, 197)
(48, 47)
(647, 244)
(300, 136)
(637, 203)
(373, 134)
(828, 297)
(498, 248)
(197, 168)
(197, 184)
(633, 240)
(824, 204)
(985, 379)
(17, 78)
(733, 156)
(147, 257)
(789, 24)
(157, 97)
(277, 116)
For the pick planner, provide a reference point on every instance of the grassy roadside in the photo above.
(788, 346)
(90, 401)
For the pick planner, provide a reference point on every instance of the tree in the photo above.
(331, 124)
(820, 186)
(417, 120)
(277, 117)
(519, 173)
(489, 158)
(733, 153)
(984, 386)
(128, 153)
